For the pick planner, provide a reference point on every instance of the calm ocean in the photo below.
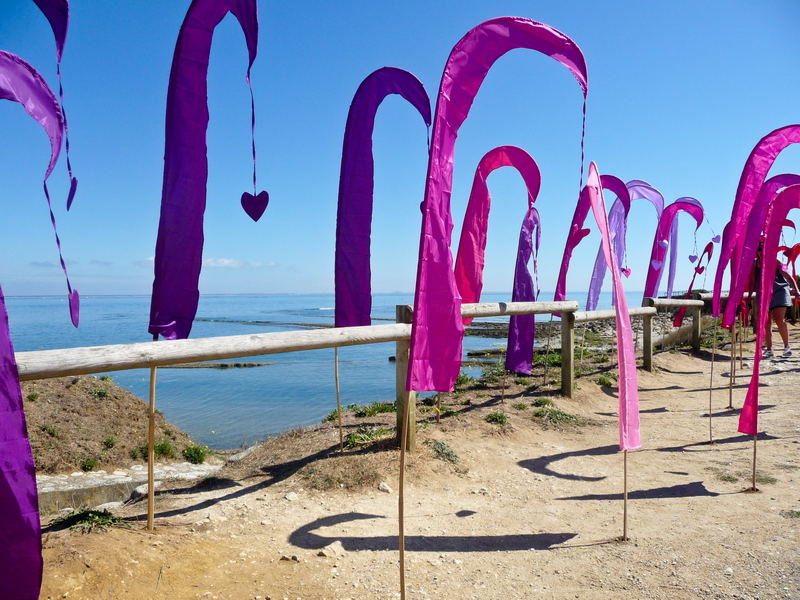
(235, 407)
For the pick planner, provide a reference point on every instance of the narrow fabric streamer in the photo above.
(628, 380)
(437, 330)
(753, 175)
(787, 200)
(20, 82)
(522, 328)
(356, 187)
(57, 14)
(179, 246)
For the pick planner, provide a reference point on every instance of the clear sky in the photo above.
(679, 93)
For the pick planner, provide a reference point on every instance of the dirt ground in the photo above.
(531, 510)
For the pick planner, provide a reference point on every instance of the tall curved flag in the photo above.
(753, 175)
(57, 14)
(356, 185)
(472, 243)
(472, 248)
(577, 232)
(521, 328)
(783, 203)
(179, 246)
(618, 227)
(628, 380)
(437, 330)
(20, 533)
(744, 253)
(673, 247)
(665, 237)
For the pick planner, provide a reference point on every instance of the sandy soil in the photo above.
(528, 512)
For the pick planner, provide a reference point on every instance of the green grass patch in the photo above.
(195, 454)
(605, 381)
(553, 417)
(50, 430)
(99, 393)
(33, 396)
(539, 402)
(87, 521)
(88, 464)
(497, 418)
(370, 410)
(442, 451)
(363, 435)
(790, 514)
(553, 359)
(520, 406)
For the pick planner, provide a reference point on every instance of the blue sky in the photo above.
(679, 93)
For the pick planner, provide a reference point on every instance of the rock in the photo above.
(108, 506)
(291, 496)
(292, 558)
(333, 550)
(384, 487)
(141, 491)
(243, 454)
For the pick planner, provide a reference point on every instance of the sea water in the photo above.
(232, 408)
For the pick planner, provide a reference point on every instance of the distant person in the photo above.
(783, 288)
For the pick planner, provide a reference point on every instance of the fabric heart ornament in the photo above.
(716, 239)
(692, 258)
(663, 243)
(255, 206)
(73, 186)
(74, 307)
(626, 271)
(657, 264)
(699, 270)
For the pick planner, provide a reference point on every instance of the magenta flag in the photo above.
(472, 244)
(437, 330)
(618, 227)
(783, 203)
(356, 185)
(628, 380)
(179, 246)
(753, 175)
(665, 236)
(20, 82)
(577, 232)
(522, 328)
(743, 256)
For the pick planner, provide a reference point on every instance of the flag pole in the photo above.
(755, 444)
(401, 498)
(338, 400)
(732, 368)
(711, 383)
(547, 353)
(151, 459)
(625, 496)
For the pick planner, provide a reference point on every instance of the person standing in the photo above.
(783, 288)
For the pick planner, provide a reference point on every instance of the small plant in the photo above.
(442, 451)
(139, 453)
(164, 449)
(105, 378)
(109, 442)
(790, 514)
(497, 418)
(466, 402)
(521, 381)
(761, 478)
(604, 381)
(370, 410)
(88, 464)
(493, 371)
(195, 454)
(87, 521)
(363, 435)
(553, 416)
(553, 359)
(168, 432)
(99, 393)
(50, 430)
(729, 478)
(520, 406)
(542, 402)
(463, 380)
(33, 396)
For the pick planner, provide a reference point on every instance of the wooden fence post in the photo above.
(697, 317)
(404, 314)
(567, 353)
(647, 342)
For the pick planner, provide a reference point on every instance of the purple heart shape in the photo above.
(626, 271)
(663, 243)
(74, 307)
(716, 239)
(255, 206)
(692, 257)
(657, 264)
(73, 185)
